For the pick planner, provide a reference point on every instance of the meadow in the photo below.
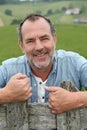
(70, 37)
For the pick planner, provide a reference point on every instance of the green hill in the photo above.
(54, 10)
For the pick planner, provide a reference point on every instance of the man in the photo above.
(37, 75)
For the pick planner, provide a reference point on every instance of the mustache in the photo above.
(40, 52)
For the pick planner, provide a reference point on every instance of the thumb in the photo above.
(51, 89)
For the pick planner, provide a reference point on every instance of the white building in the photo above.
(72, 11)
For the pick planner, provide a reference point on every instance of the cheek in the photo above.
(28, 51)
(52, 47)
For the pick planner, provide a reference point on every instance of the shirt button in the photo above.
(40, 82)
(43, 97)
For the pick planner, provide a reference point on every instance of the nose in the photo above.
(38, 45)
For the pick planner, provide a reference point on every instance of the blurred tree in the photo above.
(49, 12)
(3, 2)
(8, 12)
(16, 21)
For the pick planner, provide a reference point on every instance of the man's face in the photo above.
(38, 43)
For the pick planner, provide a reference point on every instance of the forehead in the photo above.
(37, 26)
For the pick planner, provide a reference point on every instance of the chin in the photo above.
(42, 66)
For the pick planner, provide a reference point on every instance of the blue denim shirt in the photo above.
(67, 66)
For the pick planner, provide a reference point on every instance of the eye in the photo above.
(44, 38)
(30, 41)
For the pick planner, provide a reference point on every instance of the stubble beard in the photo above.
(41, 68)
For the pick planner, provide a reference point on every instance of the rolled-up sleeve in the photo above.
(83, 77)
(2, 76)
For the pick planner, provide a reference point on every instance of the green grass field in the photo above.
(70, 37)
(8, 42)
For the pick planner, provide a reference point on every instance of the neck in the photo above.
(43, 74)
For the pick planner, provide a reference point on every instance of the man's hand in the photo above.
(17, 89)
(61, 100)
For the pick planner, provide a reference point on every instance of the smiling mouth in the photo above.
(40, 54)
(42, 57)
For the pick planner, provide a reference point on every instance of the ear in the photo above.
(55, 38)
(21, 45)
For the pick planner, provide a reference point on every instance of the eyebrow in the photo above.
(39, 37)
(29, 39)
(44, 36)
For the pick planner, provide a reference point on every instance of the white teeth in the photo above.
(40, 55)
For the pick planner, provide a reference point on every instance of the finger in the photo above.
(51, 89)
(20, 76)
(54, 112)
(52, 109)
(30, 89)
(30, 94)
(49, 105)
